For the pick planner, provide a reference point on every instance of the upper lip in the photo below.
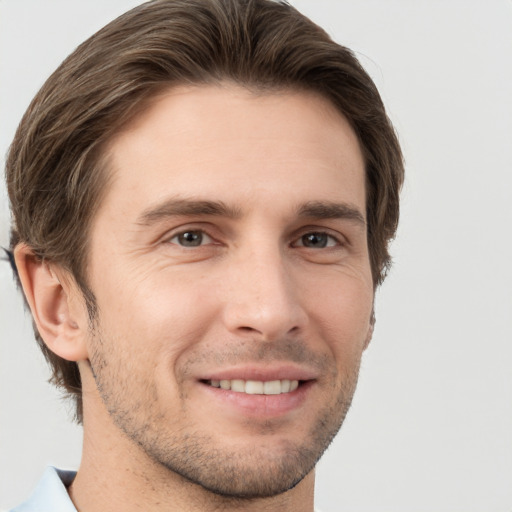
(265, 373)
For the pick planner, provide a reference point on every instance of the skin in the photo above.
(275, 284)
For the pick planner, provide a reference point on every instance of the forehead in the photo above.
(228, 142)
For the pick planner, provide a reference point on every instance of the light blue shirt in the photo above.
(51, 494)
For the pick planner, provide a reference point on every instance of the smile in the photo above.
(256, 387)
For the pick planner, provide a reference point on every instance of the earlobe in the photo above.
(58, 318)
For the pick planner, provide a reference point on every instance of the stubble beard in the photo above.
(232, 473)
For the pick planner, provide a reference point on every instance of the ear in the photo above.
(371, 327)
(59, 315)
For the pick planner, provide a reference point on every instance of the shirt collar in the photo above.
(50, 493)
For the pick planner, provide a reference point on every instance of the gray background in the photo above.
(431, 425)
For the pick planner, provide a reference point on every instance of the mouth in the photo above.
(256, 387)
(260, 393)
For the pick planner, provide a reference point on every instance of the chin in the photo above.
(260, 468)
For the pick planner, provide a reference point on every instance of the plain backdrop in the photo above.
(431, 424)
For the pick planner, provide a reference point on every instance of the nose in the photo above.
(262, 297)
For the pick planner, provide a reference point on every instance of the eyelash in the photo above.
(298, 242)
(329, 239)
(189, 231)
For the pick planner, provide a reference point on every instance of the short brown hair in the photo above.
(55, 171)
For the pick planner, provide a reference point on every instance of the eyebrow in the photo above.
(182, 207)
(331, 210)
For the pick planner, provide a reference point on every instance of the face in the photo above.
(230, 267)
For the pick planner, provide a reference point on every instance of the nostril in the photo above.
(269, 320)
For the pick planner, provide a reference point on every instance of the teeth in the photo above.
(272, 387)
(257, 387)
(238, 385)
(254, 387)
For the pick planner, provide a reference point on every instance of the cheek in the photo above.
(340, 310)
(161, 313)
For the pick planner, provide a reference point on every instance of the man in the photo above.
(202, 198)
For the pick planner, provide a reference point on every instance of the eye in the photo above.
(316, 240)
(191, 238)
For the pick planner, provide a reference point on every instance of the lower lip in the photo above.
(263, 406)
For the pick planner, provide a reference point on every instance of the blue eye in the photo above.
(190, 238)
